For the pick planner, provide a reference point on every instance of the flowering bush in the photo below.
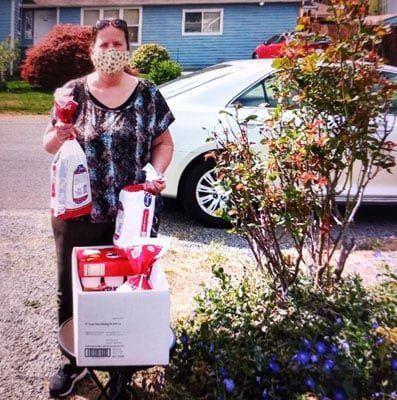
(62, 54)
(240, 343)
(330, 119)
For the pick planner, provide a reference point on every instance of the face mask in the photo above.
(111, 61)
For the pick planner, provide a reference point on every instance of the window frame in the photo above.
(202, 10)
(20, 19)
(121, 16)
(262, 82)
(27, 14)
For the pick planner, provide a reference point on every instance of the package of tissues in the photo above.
(102, 268)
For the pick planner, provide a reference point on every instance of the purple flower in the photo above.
(377, 396)
(223, 372)
(325, 398)
(321, 347)
(274, 367)
(265, 395)
(303, 357)
(212, 347)
(258, 380)
(393, 364)
(378, 341)
(314, 358)
(307, 343)
(375, 325)
(345, 345)
(340, 394)
(310, 383)
(339, 321)
(328, 365)
(184, 338)
(334, 348)
(229, 385)
(393, 395)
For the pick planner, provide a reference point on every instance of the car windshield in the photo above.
(275, 39)
(191, 81)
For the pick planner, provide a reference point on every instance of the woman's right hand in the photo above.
(64, 131)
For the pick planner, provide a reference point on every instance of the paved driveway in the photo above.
(24, 165)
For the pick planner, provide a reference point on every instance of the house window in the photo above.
(20, 20)
(202, 22)
(132, 16)
(28, 25)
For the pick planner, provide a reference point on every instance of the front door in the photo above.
(44, 20)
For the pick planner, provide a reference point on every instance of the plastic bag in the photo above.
(65, 106)
(70, 182)
(134, 214)
(142, 256)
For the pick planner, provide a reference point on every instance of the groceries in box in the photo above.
(123, 269)
(116, 327)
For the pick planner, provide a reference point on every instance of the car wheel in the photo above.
(200, 198)
(255, 56)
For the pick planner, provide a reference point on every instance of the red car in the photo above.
(272, 47)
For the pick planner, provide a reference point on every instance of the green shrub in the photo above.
(147, 55)
(242, 343)
(17, 86)
(164, 71)
(8, 54)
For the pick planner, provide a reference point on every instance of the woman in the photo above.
(121, 123)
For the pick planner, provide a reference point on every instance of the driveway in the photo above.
(24, 165)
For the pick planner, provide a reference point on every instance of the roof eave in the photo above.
(104, 3)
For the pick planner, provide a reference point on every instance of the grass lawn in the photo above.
(21, 98)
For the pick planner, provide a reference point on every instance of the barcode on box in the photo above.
(102, 352)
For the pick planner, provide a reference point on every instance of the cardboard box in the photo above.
(116, 328)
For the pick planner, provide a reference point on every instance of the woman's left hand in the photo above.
(154, 187)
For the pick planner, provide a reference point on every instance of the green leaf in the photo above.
(250, 118)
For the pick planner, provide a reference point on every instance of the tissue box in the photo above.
(117, 328)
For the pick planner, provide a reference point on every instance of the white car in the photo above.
(196, 100)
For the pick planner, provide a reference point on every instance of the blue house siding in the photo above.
(5, 19)
(244, 27)
(69, 15)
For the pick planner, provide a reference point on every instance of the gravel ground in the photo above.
(28, 328)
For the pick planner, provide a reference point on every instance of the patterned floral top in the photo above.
(117, 142)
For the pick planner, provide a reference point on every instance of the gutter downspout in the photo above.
(12, 33)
